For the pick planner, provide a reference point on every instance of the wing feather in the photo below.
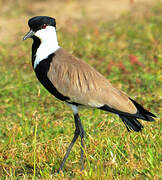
(80, 82)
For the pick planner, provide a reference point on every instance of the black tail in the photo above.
(143, 113)
(130, 120)
(131, 123)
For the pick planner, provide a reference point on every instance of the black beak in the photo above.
(29, 35)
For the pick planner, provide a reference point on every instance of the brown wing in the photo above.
(77, 80)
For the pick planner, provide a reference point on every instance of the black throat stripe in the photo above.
(35, 46)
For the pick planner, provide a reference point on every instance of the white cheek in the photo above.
(48, 34)
(42, 34)
(49, 44)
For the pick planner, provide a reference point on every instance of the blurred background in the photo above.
(121, 39)
(70, 14)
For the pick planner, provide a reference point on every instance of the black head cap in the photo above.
(36, 22)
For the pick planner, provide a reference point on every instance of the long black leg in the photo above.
(69, 149)
(82, 134)
(78, 131)
(76, 134)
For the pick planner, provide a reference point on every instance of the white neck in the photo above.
(49, 44)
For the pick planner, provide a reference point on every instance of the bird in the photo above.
(76, 83)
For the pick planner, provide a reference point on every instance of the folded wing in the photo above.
(80, 82)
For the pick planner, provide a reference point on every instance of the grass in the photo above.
(36, 129)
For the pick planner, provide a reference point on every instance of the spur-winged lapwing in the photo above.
(76, 83)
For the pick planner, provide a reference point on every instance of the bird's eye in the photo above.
(44, 26)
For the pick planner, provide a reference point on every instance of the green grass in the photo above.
(36, 129)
